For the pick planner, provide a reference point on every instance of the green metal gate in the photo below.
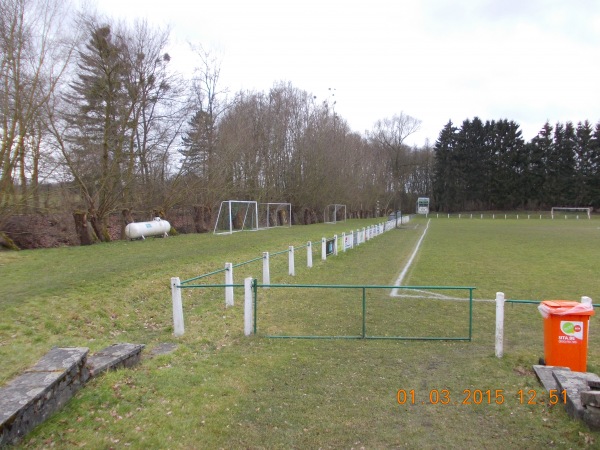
(367, 317)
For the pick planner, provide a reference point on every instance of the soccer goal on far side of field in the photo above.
(570, 210)
(271, 215)
(237, 215)
(334, 213)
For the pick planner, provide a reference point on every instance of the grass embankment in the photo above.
(220, 389)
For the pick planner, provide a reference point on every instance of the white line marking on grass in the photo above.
(425, 294)
(428, 295)
(398, 282)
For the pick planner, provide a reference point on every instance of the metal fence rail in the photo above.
(363, 289)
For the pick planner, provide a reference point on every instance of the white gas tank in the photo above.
(156, 227)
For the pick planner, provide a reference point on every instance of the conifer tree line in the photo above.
(488, 166)
(96, 121)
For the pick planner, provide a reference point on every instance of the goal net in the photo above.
(272, 215)
(334, 213)
(571, 211)
(237, 215)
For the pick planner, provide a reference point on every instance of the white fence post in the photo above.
(499, 324)
(292, 270)
(248, 310)
(323, 249)
(343, 242)
(335, 245)
(229, 283)
(309, 254)
(178, 328)
(266, 270)
(587, 301)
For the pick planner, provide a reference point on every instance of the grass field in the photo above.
(220, 389)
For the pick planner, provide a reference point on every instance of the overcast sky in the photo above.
(436, 60)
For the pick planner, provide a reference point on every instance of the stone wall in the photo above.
(32, 397)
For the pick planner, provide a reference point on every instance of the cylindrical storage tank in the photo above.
(156, 227)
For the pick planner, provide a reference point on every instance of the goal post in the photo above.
(236, 215)
(271, 215)
(334, 213)
(571, 209)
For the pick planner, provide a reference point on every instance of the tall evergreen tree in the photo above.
(540, 148)
(198, 146)
(507, 164)
(472, 157)
(100, 120)
(584, 163)
(559, 183)
(593, 177)
(446, 172)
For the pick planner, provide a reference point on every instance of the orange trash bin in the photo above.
(566, 326)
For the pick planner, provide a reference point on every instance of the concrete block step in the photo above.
(32, 397)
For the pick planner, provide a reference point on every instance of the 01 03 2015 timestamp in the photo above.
(479, 397)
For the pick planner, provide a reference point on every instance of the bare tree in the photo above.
(33, 57)
(160, 99)
(388, 138)
(202, 165)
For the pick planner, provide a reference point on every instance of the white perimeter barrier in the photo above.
(348, 241)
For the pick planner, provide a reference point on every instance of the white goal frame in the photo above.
(335, 207)
(249, 221)
(588, 211)
(265, 211)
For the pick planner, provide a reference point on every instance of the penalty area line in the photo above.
(398, 282)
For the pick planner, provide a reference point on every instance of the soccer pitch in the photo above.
(220, 389)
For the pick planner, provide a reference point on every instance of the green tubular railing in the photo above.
(530, 302)
(247, 262)
(280, 252)
(189, 286)
(233, 266)
(201, 276)
(363, 335)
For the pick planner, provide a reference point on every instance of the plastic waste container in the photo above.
(566, 326)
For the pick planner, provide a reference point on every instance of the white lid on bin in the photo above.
(566, 308)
